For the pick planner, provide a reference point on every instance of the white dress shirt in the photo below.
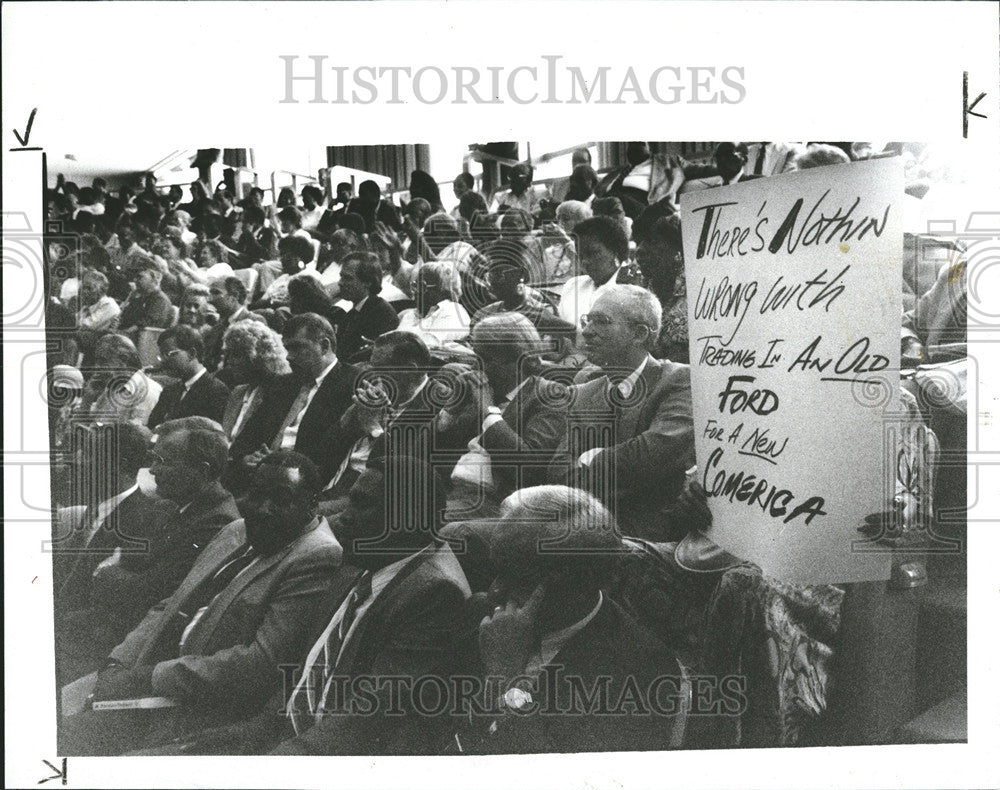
(578, 296)
(291, 432)
(445, 322)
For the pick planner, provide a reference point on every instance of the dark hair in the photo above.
(466, 178)
(299, 246)
(309, 295)
(516, 220)
(290, 214)
(406, 347)
(422, 185)
(309, 481)
(315, 191)
(607, 232)
(285, 195)
(235, 287)
(510, 252)
(131, 443)
(369, 190)
(313, 325)
(470, 204)
(352, 221)
(253, 214)
(121, 347)
(345, 185)
(185, 338)
(369, 270)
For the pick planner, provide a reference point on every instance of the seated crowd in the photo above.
(419, 477)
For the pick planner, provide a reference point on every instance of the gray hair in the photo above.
(260, 343)
(821, 155)
(446, 273)
(571, 212)
(640, 305)
(558, 529)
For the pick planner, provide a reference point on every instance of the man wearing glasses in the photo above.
(629, 434)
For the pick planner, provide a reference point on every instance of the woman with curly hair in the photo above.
(254, 357)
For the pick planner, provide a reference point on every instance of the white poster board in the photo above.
(794, 304)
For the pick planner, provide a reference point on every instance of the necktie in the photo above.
(289, 430)
(327, 648)
(203, 595)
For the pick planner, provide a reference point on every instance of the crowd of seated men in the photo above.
(336, 477)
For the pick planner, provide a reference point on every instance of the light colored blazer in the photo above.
(267, 616)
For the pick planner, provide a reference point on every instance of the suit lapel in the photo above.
(378, 607)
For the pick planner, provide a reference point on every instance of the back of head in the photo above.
(131, 443)
(185, 338)
(205, 442)
(559, 533)
(368, 190)
(516, 221)
(352, 222)
(260, 343)
(299, 246)
(511, 333)
(415, 498)
(470, 204)
(315, 327)
(570, 213)
(405, 348)
(120, 348)
(308, 295)
(820, 156)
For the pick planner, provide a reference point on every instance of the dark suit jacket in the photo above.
(270, 406)
(375, 317)
(523, 443)
(320, 437)
(649, 441)
(265, 617)
(414, 628)
(73, 563)
(612, 649)
(123, 592)
(207, 398)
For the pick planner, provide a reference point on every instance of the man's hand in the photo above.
(480, 390)
(509, 636)
(365, 415)
(253, 460)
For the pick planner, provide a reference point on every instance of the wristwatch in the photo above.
(516, 699)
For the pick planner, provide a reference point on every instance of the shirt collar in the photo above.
(554, 642)
(357, 305)
(105, 507)
(627, 384)
(735, 179)
(321, 376)
(382, 577)
(190, 382)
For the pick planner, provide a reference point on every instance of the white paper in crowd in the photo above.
(794, 304)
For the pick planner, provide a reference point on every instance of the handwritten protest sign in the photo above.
(794, 305)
